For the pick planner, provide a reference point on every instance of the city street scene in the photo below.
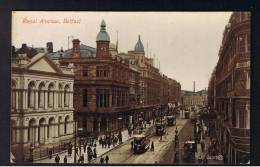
(130, 88)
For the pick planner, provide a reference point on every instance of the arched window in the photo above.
(60, 96)
(41, 130)
(31, 95)
(66, 96)
(13, 95)
(13, 132)
(41, 95)
(51, 130)
(51, 95)
(31, 131)
(66, 125)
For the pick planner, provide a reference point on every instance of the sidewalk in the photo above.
(211, 159)
(100, 150)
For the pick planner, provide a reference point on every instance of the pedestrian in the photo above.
(95, 153)
(107, 159)
(205, 160)
(57, 158)
(50, 154)
(65, 159)
(84, 147)
(70, 151)
(102, 160)
(82, 158)
(76, 150)
(132, 145)
(199, 160)
(202, 145)
(152, 146)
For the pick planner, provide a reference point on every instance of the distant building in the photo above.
(199, 98)
(42, 103)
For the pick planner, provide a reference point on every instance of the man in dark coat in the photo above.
(107, 159)
(57, 158)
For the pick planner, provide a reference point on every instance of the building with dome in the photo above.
(111, 89)
(101, 86)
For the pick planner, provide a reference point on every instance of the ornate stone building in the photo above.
(231, 83)
(42, 103)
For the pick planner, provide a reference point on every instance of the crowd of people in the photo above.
(205, 136)
(90, 148)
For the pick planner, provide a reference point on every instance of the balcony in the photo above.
(240, 139)
(240, 132)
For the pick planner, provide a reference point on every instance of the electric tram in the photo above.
(141, 143)
(171, 121)
(160, 128)
(189, 151)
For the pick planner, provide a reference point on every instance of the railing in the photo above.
(39, 153)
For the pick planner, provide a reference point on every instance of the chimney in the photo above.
(76, 48)
(49, 47)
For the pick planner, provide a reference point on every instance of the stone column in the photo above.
(36, 136)
(25, 99)
(36, 99)
(46, 133)
(16, 100)
(45, 99)
(25, 135)
(71, 100)
(62, 98)
(110, 98)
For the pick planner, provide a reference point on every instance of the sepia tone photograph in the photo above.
(128, 88)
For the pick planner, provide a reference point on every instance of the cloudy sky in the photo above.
(186, 43)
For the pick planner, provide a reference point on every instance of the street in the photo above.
(124, 155)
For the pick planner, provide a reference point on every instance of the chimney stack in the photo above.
(76, 48)
(49, 47)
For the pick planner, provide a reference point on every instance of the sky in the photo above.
(185, 43)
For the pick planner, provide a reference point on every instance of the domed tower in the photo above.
(139, 47)
(102, 42)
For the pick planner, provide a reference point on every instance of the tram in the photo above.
(160, 129)
(189, 151)
(171, 121)
(141, 143)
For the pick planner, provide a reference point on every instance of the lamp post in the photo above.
(31, 153)
(75, 139)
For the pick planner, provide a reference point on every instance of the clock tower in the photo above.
(102, 42)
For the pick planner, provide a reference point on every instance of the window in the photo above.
(85, 97)
(60, 96)
(102, 71)
(31, 94)
(13, 95)
(241, 43)
(51, 95)
(85, 71)
(41, 96)
(66, 96)
(102, 97)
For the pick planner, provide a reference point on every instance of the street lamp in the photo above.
(75, 138)
(31, 153)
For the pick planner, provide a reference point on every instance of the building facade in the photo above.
(112, 89)
(231, 82)
(41, 104)
(199, 98)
